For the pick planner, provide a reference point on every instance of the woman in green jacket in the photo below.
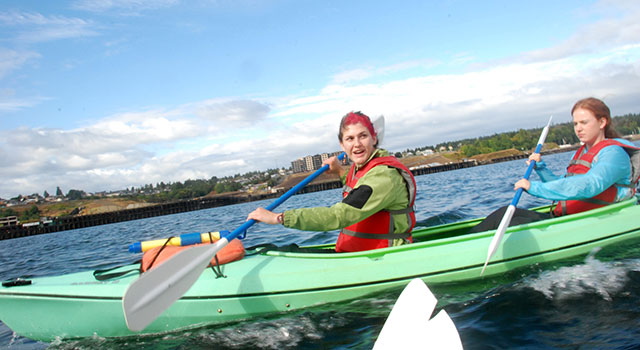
(377, 206)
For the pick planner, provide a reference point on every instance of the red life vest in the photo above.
(376, 231)
(581, 164)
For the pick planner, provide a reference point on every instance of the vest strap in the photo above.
(563, 206)
(580, 162)
(627, 186)
(383, 236)
(407, 210)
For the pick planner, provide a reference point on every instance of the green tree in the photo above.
(75, 194)
(7, 212)
(31, 214)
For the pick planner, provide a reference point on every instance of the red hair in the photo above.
(355, 118)
(599, 110)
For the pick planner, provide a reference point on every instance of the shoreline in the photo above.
(70, 222)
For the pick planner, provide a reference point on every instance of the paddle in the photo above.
(157, 289)
(506, 219)
(408, 325)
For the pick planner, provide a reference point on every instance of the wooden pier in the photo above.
(71, 222)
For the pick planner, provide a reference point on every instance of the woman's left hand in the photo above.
(263, 215)
(522, 183)
(534, 156)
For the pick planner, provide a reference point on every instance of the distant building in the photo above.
(310, 163)
(427, 152)
(317, 161)
(313, 162)
(298, 166)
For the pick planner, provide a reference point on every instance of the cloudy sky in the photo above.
(106, 94)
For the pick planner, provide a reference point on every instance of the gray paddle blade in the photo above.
(157, 289)
(378, 126)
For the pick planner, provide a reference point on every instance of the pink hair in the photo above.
(355, 118)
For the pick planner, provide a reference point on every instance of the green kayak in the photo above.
(78, 305)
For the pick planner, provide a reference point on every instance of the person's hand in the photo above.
(335, 166)
(522, 183)
(534, 156)
(263, 215)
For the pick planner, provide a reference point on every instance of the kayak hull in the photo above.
(77, 305)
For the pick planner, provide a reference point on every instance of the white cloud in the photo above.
(128, 7)
(11, 60)
(35, 27)
(620, 29)
(233, 113)
(363, 73)
(224, 137)
(352, 75)
(10, 103)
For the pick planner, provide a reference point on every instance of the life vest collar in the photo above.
(377, 231)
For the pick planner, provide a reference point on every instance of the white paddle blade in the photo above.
(408, 322)
(378, 126)
(442, 333)
(497, 237)
(157, 289)
(545, 131)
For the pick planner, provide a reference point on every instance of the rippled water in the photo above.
(583, 303)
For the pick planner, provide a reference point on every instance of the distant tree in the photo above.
(45, 194)
(59, 192)
(7, 212)
(220, 187)
(75, 194)
(33, 213)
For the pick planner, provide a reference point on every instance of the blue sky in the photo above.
(103, 95)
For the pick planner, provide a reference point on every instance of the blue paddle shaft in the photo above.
(532, 165)
(235, 233)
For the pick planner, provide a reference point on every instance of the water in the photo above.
(591, 303)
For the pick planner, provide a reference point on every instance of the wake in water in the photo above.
(602, 278)
(299, 330)
(589, 305)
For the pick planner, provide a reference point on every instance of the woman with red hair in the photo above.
(378, 195)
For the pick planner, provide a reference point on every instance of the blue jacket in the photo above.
(611, 166)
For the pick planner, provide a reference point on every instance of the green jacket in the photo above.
(389, 192)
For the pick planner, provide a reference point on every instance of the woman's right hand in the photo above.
(522, 183)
